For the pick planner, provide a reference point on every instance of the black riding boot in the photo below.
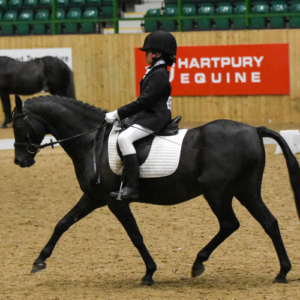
(132, 174)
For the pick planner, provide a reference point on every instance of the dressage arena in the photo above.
(96, 260)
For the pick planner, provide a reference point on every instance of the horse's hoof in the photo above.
(197, 271)
(38, 267)
(147, 282)
(280, 279)
(6, 125)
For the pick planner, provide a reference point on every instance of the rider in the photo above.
(152, 110)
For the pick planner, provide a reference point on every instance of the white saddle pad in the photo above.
(162, 160)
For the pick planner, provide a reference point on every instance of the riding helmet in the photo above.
(160, 41)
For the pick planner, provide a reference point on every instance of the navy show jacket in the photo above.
(150, 110)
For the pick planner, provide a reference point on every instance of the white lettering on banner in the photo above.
(181, 63)
(239, 76)
(185, 78)
(247, 60)
(216, 80)
(258, 60)
(205, 62)
(200, 78)
(225, 61)
(216, 77)
(255, 76)
(228, 77)
(194, 63)
(215, 60)
(172, 73)
(238, 65)
(64, 54)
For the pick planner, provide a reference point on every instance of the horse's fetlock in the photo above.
(285, 267)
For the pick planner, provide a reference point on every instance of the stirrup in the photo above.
(112, 194)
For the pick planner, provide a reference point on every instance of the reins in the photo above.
(33, 148)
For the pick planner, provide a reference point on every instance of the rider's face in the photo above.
(149, 57)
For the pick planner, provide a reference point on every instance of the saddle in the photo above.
(143, 145)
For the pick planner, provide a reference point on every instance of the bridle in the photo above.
(34, 148)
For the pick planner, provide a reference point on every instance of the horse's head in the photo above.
(28, 134)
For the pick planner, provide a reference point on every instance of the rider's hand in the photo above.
(111, 116)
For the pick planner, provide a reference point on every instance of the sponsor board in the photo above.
(64, 54)
(226, 70)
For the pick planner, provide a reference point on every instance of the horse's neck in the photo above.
(66, 119)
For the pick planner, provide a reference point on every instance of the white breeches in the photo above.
(130, 135)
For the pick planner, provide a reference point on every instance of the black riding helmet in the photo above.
(164, 42)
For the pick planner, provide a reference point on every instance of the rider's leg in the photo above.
(131, 167)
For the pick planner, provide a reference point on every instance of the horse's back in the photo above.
(18, 77)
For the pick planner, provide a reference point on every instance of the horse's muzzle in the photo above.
(26, 163)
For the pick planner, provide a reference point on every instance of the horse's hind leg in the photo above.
(79, 211)
(122, 211)
(251, 199)
(6, 109)
(222, 207)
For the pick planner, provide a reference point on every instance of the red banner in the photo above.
(226, 70)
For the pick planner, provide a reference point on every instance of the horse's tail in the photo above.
(71, 86)
(291, 162)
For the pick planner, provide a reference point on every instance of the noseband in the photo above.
(34, 148)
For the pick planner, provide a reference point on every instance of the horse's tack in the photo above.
(162, 160)
(33, 148)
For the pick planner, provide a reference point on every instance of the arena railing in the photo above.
(179, 18)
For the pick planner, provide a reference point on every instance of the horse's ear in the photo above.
(19, 103)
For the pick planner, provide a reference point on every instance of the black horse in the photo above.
(228, 161)
(47, 74)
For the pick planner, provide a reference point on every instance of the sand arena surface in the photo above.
(95, 259)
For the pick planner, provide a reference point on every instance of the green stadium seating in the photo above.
(294, 22)
(14, 3)
(277, 7)
(62, 3)
(169, 25)
(205, 9)
(239, 23)
(24, 29)
(10, 15)
(107, 9)
(77, 3)
(74, 13)
(42, 15)
(260, 7)
(93, 2)
(60, 15)
(89, 13)
(151, 25)
(3, 4)
(45, 3)
(224, 8)
(30, 3)
(188, 10)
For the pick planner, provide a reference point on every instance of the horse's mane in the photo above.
(61, 99)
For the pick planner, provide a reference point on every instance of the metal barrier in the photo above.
(179, 18)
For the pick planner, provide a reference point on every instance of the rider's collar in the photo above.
(158, 63)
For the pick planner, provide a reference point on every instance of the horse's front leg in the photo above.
(85, 206)
(6, 109)
(122, 211)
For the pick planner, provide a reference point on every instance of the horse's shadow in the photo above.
(208, 282)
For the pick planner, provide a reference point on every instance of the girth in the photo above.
(143, 145)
